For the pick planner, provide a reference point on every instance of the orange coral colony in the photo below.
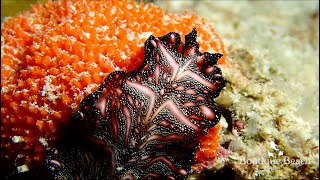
(57, 53)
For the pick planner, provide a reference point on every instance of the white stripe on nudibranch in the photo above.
(147, 91)
(176, 112)
(197, 78)
(127, 115)
(172, 62)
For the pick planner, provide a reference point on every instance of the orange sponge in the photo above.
(57, 53)
(209, 145)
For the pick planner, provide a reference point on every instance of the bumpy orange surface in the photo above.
(57, 53)
(208, 145)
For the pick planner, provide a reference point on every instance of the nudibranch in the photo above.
(58, 52)
(144, 124)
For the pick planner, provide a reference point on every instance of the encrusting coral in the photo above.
(57, 53)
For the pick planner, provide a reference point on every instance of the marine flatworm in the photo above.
(58, 52)
(145, 123)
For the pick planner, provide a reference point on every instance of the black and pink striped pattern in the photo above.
(145, 124)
